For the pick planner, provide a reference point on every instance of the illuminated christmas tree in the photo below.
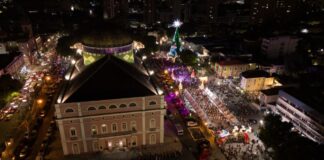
(176, 41)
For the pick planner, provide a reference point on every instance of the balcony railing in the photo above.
(73, 138)
(113, 134)
(152, 129)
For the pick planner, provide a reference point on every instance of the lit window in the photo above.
(104, 128)
(94, 130)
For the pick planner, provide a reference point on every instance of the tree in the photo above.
(148, 41)
(8, 88)
(188, 57)
(287, 144)
(63, 46)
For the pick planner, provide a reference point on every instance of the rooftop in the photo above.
(272, 91)
(106, 37)
(313, 97)
(108, 78)
(6, 59)
(255, 74)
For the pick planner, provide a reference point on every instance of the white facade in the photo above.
(306, 120)
(256, 83)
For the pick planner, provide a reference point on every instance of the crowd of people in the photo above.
(243, 151)
(235, 101)
(206, 109)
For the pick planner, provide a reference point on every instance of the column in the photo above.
(144, 128)
(162, 126)
(63, 139)
(83, 136)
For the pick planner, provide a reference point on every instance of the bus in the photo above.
(179, 129)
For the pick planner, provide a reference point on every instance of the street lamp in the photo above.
(48, 78)
(40, 101)
(151, 72)
(79, 51)
(73, 61)
(261, 122)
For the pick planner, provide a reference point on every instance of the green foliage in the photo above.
(287, 144)
(148, 41)
(63, 46)
(188, 57)
(8, 89)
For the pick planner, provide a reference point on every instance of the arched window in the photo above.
(102, 107)
(112, 106)
(132, 105)
(122, 106)
(91, 109)
(104, 128)
(152, 103)
(69, 110)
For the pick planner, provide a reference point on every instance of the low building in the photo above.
(256, 80)
(272, 68)
(110, 105)
(269, 96)
(11, 63)
(278, 46)
(304, 109)
(232, 68)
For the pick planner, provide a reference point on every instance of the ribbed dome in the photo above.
(108, 37)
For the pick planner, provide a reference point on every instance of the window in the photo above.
(104, 128)
(122, 106)
(69, 110)
(95, 146)
(132, 105)
(124, 126)
(91, 109)
(75, 148)
(114, 127)
(152, 123)
(73, 132)
(102, 107)
(134, 141)
(94, 130)
(133, 125)
(112, 106)
(152, 139)
(152, 103)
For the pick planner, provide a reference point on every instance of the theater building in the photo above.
(109, 105)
